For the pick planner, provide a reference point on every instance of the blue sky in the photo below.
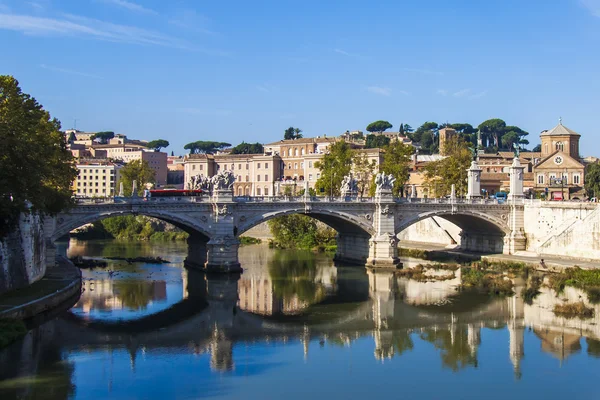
(246, 70)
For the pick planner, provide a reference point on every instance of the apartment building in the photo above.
(96, 178)
(129, 152)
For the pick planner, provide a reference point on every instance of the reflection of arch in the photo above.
(180, 222)
(341, 222)
(469, 221)
(178, 312)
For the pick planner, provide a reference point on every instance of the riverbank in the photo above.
(61, 283)
(439, 252)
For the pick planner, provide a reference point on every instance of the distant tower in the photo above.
(560, 138)
(445, 134)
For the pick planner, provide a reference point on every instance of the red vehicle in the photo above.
(175, 192)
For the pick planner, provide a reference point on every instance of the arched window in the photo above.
(266, 191)
(247, 191)
(295, 152)
(302, 151)
(258, 191)
(546, 148)
(289, 152)
(240, 191)
(559, 146)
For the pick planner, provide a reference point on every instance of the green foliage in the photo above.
(456, 353)
(592, 180)
(11, 330)
(104, 136)
(442, 174)
(292, 133)
(35, 166)
(130, 227)
(205, 147)
(248, 148)
(426, 136)
(396, 160)
(300, 231)
(294, 274)
(363, 172)
(376, 141)
(245, 240)
(378, 126)
(334, 166)
(157, 144)
(139, 171)
(135, 295)
(573, 310)
(486, 281)
(585, 279)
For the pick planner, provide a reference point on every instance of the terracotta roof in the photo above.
(560, 130)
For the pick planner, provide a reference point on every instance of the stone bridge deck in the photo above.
(367, 227)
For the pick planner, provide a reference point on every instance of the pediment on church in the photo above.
(559, 160)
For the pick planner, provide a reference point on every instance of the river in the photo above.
(295, 326)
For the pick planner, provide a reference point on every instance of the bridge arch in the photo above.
(342, 222)
(481, 232)
(66, 223)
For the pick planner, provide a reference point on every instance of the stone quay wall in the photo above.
(23, 254)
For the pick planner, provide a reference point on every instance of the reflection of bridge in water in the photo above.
(380, 304)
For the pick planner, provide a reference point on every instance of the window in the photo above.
(546, 148)
(296, 165)
(246, 178)
(258, 178)
(295, 152)
(302, 165)
(290, 166)
(301, 151)
(232, 167)
(289, 152)
(318, 176)
(310, 177)
(258, 191)
(266, 191)
(576, 179)
(559, 146)
(239, 166)
(258, 166)
(266, 165)
(201, 167)
(246, 166)
(540, 179)
(193, 167)
(266, 178)
(310, 164)
(565, 178)
(225, 167)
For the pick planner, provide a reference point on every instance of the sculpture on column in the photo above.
(223, 180)
(134, 192)
(384, 182)
(517, 149)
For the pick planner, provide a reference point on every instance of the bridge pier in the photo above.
(383, 245)
(482, 242)
(222, 255)
(196, 258)
(352, 249)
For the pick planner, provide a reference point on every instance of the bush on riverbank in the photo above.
(438, 256)
(10, 331)
(301, 232)
(131, 228)
(422, 273)
(245, 240)
(487, 281)
(572, 310)
(586, 279)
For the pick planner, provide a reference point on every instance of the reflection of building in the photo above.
(105, 294)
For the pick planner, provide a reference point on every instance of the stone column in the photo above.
(383, 245)
(516, 181)
(351, 249)
(222, 248)
(196, 258)
(474, 181)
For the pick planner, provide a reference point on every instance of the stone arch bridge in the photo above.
(367, 228)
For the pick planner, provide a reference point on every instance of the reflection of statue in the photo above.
(384, 182)
(517, 149)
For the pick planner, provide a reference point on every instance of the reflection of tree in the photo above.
(133, 294)
(456, 353)
(593, 347)
(294, 273)
(402, 341)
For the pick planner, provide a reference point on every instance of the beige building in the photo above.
(255, 174)
(293, 153)
(96, 178)
(560, 171)
(130, 152)
(445, 134)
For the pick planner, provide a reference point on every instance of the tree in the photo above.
(537, 149)
(396, 160)
(378, 126)
(408, 128)
(592, 180)
(492, 131)
(157, 144)
(104, 136)
(334, 166)
(36, 169)
(205, 147)
(292, 133)
(363, 171)
(376, 141)
(248, 148)
(452, 170)
(139, 171)
(429, 129)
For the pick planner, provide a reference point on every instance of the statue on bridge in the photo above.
(199, 182)
(223, 180)
(517, 149)
(349, 186)
(384, 182)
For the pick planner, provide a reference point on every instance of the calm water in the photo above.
(295, 326)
